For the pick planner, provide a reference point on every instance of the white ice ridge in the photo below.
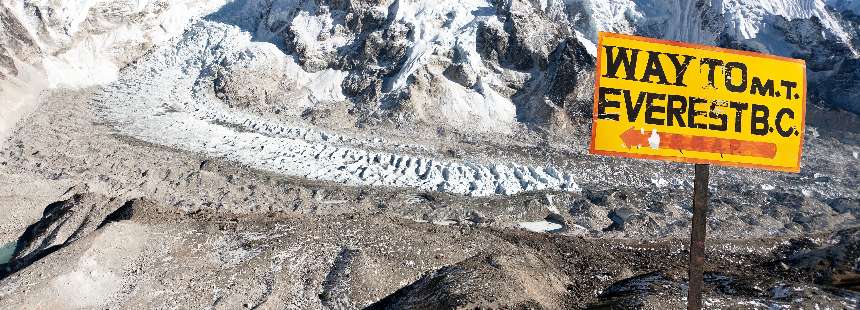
(156, 101)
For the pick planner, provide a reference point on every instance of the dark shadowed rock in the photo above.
(485, 281)
(462, 74)
(67, 221)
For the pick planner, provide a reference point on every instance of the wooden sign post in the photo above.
(697, 237)
(657, 99)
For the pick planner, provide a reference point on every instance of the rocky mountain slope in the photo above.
(477, 65)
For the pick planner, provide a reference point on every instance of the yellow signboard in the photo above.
(675, 101)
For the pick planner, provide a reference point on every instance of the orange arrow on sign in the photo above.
(633, 137)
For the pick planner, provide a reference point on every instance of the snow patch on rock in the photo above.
(540, 226)
(438, 25)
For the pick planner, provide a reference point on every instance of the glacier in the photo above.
(495, 68)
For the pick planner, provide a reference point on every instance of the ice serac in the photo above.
(194, 118)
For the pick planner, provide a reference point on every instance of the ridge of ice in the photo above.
(176, 116)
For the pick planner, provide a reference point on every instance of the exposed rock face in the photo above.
(255, 79)
(565, 91)
(522, 37)
(157, 259)
(64, 222)
(831, 264)
(462, 74)
(842, 86)
(15, 43)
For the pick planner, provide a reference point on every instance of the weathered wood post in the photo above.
(697, 237)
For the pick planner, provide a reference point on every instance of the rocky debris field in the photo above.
(107, 253)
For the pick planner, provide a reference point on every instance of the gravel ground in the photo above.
(156, 257)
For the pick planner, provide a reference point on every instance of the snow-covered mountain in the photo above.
(477, 65)
(494, 65)
(53, 43)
